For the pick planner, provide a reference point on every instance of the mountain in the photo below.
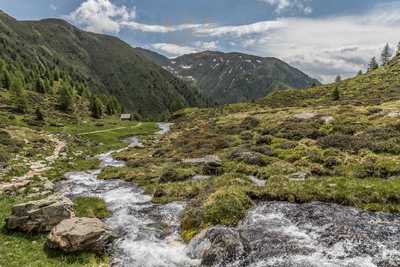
(106, 64)
(233, 77)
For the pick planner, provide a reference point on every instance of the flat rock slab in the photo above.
(40, 215)
(80, 234)
(305, 115)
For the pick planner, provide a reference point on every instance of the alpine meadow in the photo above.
(200, 133)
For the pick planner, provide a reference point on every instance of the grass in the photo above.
(91, 207)
(18, 249)
(108, 134)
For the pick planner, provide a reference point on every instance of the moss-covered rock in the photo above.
(226, 206)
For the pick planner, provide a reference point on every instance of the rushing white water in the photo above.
(149, 233)
(281, 234)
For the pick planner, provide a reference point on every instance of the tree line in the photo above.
(19, 79)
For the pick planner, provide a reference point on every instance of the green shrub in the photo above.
(226, 206)
(176, 175)
(343, 142)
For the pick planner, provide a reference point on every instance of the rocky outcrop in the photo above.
(217, 246)
(248, 157)
(41, 215)
(80, 234)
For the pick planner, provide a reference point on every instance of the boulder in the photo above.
(40, 215)
(327, 119)
(305, 115)
(217, 246)
(299, 176)
(213, 167)
(80, 234)
(248, 157)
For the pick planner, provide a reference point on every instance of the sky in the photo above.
(323, 38)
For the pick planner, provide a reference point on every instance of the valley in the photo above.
(228, 160)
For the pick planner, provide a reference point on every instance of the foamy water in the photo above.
(148, 233)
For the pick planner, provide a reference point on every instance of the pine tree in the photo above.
(112, 105)
(386, 54)
(66, 99)
(335, 94)
(373, 65)
(21, 103)
(40, 86)
(96, 107)
(359, 73)
(7, 80)
(338, 79)
(398, 49)
(39, 115)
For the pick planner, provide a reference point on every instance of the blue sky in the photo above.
(323, 38)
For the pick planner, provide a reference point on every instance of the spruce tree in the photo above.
(7, 80)
(21, 103)
(338, 79)
(66, 99)
(96, 107)
(373, 65)
(386, 54)
(360, 73)
(335, 94)
(40, 86)
(39, 115)
(398, 49)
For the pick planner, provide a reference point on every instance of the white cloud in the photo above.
(239, 30)
(158, 28)
(281, 6)
(102, 16)
(174, 50)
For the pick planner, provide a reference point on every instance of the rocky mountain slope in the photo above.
(106, 64)
(233, 77)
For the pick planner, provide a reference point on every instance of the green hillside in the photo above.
(104, 63)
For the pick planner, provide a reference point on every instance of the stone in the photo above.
(305, 115)
(217, 246)
(327, 119)
(299, 175)
(40, 215)
(252, 158)
(80, 234)
(207, 159)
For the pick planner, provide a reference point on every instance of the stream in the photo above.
(149, 233)
(276, 234)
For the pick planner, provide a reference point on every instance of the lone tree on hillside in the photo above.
(398, 49)
(66, 99)
(39, 115)
(386, 54)
(338, 79)
(373, 65)
(359, 73)
(335, 94)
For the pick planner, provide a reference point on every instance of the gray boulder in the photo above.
(40, 215)
(217, 246)
(80, 234)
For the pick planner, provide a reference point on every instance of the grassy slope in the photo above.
(351, 160)
(106, 63)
